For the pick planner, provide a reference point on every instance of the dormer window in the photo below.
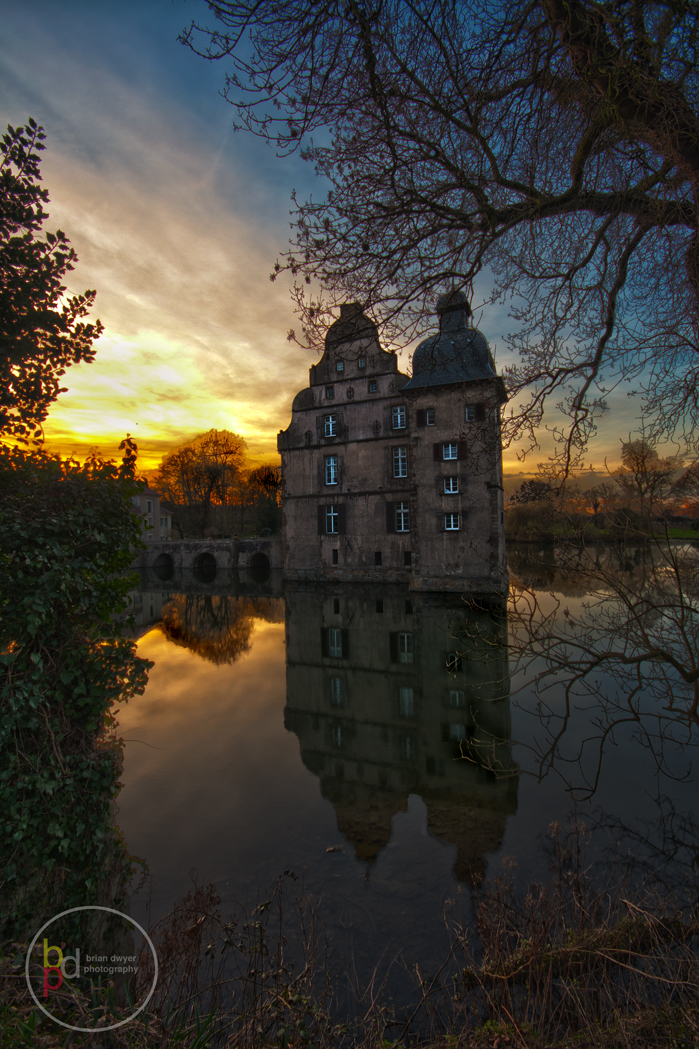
(361, 362)
(340, 366)
(329, 393)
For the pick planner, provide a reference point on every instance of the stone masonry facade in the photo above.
(390, 478)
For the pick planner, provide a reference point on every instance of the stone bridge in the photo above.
(207, 557)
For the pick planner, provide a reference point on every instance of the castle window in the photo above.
(451, 522)
(329, 393)
(408, 748)
(402, 517)
(361, 362)
(451, 485)
(337, 692)
(405, 648)
(470, 413)
(430, 417)
(450, 451)
(406, 702)
(331, 469)
(330, 426)
(372, 386)
(398, 417)
(335, 643)
(340, 366)
(400, 462)
(332, 520)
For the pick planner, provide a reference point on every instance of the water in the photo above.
(283, 722)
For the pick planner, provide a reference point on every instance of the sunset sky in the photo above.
(177, 222)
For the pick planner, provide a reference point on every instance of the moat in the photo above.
(370, 739)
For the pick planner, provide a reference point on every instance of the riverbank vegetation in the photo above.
(646, 496)
(581, 959)
(68, 535)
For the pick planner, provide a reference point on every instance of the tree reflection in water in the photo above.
(217, 627)
(607, 636)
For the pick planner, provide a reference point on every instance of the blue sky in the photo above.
(177, 222)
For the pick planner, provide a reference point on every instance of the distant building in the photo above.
(157, 523)
(386, 477)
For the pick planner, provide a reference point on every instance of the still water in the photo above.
(369, 739)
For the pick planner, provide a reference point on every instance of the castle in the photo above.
(390, 478)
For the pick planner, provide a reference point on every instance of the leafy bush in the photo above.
(67, 538)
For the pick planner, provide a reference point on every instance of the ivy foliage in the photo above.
(67, 537)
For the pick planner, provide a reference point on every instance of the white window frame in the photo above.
(452, 523)
(331, 469)
(451, 485)
(330, 426)
(335, 642)
(405, 648)
(402, 517)
(450, 451)
(400, 462)
(399, 417)
(430, 417)
(332, 520)
(406, 702)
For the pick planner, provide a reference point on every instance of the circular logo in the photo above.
(88, 965)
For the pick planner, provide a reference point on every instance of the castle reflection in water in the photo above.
(389, 692)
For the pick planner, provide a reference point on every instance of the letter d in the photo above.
(47, 964)
(75, 958)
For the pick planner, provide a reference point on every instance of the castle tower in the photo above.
(387, 478)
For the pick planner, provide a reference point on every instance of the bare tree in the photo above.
(554, 144)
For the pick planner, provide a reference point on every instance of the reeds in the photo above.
(573, 961)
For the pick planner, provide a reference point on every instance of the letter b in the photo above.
(47, 949)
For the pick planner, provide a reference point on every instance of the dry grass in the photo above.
(569, 964)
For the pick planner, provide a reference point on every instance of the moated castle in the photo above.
(387, 477)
